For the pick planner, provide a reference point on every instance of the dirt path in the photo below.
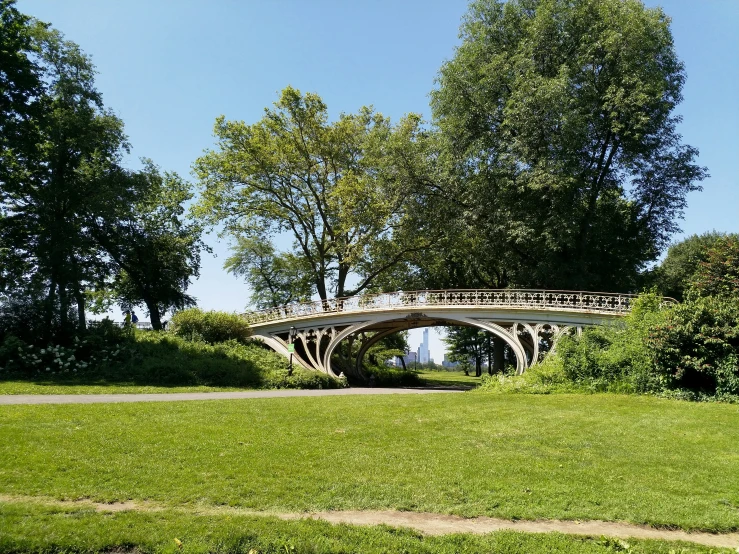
(426, 523)
(8, 399)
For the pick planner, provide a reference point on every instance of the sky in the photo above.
(169, 68)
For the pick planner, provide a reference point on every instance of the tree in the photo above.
(154, 250)
(342, 191)
(558, 125)
(672, 277)
(276, 279)
(63, 181)
(718, 273)
(20, 88)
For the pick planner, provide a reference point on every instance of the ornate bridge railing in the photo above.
(593, 302)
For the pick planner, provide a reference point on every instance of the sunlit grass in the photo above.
(449, 378)
(609, 457)
(30, 528)
(24, 387)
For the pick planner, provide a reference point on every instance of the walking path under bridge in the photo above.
(528, 321)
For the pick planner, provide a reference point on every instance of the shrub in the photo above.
(697, 347)
(616, 357)
(543, 378)
(211, 327)
(391, 377)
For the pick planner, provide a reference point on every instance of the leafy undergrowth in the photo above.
(41, 530)
(149, 361)
(608, 457)
(551, 377)
(383, 376)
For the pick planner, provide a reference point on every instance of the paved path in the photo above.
(9, 399)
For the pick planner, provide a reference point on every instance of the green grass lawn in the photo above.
(52, 387)
(629, 458)
(449, 379)
(38, 529)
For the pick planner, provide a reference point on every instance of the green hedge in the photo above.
(212, 327)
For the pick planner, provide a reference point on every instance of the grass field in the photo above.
(29, 528)
(617, 458)
(449, 379)
(51, 387)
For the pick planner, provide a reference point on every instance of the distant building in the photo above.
(410, 358)
(448, 363)
(423, 350)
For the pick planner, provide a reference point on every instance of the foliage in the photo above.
(546, 377)
(697, 347)
(467, 344)
(70, 214)
(385, 376)
(672, 277)
(560, 139)
(340, 190)
(388, 348)
(103, 344)
(689, 351)
(155, 253)
(276, 279)
(60, 184)
(718, 273)
(111, 355)
(211, 326)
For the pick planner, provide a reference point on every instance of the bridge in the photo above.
(524, 319)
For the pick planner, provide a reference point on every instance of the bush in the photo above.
(616, 357)
(391, 377)
(697, 347)
(544, 378)
(212, 327)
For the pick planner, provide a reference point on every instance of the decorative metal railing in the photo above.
(580, 301)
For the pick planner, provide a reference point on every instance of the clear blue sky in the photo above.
(169, 68)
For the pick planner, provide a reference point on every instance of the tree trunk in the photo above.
(81, 315)
(49, 316)
(489, 352)
(498, 354)
(156, 322)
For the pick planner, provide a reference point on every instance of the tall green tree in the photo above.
(276, 278)
(154, 249)
(341, 191)
(558, 125)
(718, 273)
(20, 89)
(674, 275)
(64, 181)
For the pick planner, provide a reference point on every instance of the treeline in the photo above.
(78, 230)
(552, 159)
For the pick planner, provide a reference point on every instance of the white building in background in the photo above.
(423, 350)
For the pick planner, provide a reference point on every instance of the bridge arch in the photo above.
(520, 318)
(495, 329)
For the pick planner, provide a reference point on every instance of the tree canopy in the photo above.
(62, 181)
(341, 191)
(559, 129)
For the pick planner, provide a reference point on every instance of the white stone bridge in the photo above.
(524, 319)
